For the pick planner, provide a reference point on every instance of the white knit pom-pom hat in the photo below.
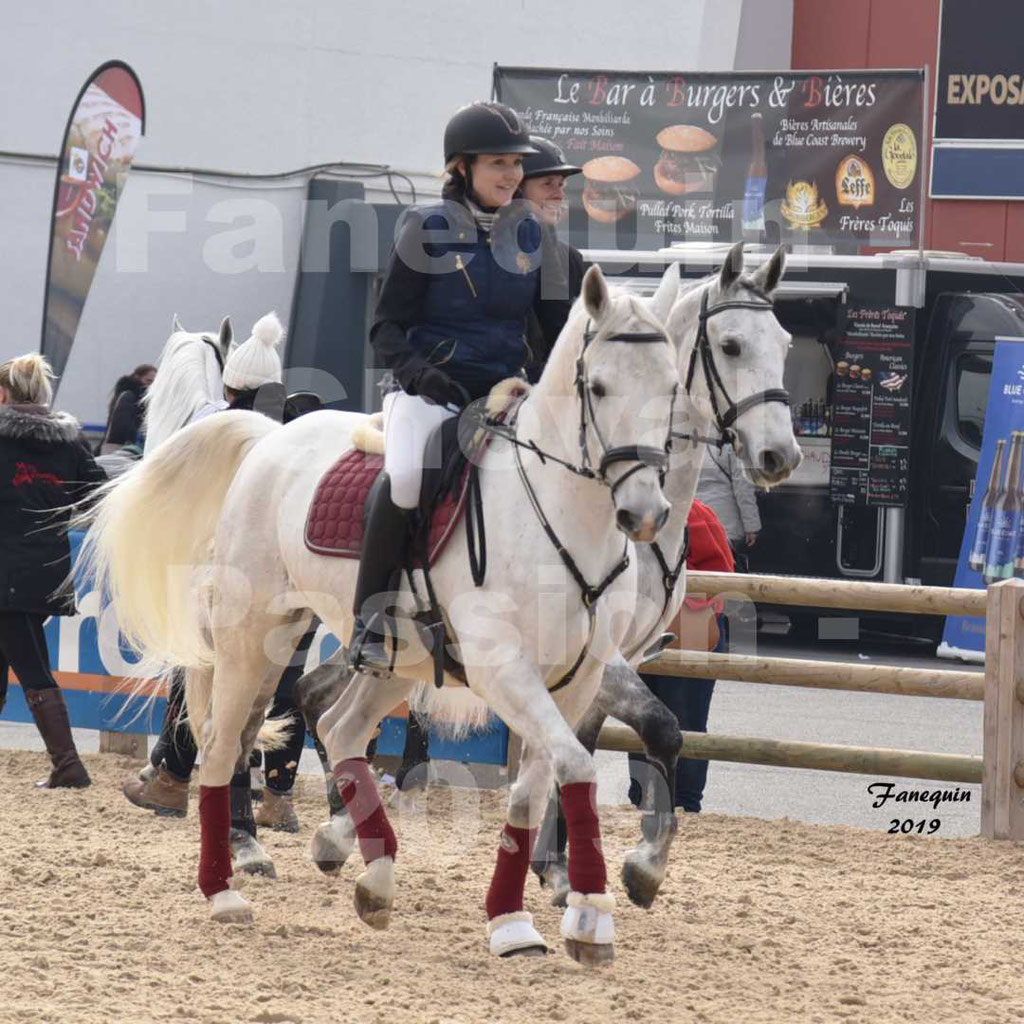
(256, 361)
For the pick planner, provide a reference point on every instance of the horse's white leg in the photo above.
(243, 675)
(345, 730)
(510, 929)
(519, 697)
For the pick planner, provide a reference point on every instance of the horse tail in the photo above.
(454, 711)
(150, 535)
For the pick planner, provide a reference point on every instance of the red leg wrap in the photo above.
(505, 896)
(586, 860)
(215, 839)
(358, 788)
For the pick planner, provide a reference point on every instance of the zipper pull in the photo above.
(459, 265)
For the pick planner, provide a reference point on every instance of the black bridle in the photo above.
(727, 414)
(643, 455)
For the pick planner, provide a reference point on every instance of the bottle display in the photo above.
(1002, 543)
(757, 179)
(976, 558)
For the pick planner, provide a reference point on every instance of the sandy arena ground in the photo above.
(759, 921)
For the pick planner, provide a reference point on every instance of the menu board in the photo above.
(829, 158)
(872, 378)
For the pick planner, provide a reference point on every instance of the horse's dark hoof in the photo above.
(526, 951)
(375, 893)
(641, 887)
(590, 954)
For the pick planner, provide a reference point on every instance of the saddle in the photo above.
(334, 522)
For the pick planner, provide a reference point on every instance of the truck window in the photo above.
(973, 372)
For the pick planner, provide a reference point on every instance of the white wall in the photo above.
(260, 86)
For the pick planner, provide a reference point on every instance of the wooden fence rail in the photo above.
(830, 757)
(1001, 686)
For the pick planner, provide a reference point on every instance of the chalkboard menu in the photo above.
(871, 406)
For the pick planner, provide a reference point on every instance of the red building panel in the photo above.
(904, 34)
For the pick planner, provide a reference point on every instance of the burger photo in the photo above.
(608, 195)
(688, 161)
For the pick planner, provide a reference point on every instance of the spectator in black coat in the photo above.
(45, 465)
(125, 414)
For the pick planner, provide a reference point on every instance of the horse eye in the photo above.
(597, 389)
(731, 347)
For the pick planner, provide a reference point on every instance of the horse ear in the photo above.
(661, 302)
(176, 327)
(731, 268)
(595, 292)
(769, 274)
(227, 335)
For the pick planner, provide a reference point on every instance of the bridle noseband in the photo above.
(724, 420)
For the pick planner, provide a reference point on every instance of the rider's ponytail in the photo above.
(27, 379)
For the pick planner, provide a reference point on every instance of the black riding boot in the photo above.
(385, 542)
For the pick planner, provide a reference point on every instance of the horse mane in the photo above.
(187, 379)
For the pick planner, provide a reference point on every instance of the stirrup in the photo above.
(368, 649)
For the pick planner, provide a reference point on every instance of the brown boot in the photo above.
(51, 718)
(277, 812)
(164, 794)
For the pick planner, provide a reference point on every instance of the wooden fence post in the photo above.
(1002, 799)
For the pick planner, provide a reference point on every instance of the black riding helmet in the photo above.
(548, 159)
(485, 127)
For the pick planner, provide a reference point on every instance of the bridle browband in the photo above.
(702, 346)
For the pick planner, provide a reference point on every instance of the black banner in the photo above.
(802, 157)
(872, 381)
(980, 89)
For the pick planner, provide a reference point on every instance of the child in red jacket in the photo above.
(700, 625)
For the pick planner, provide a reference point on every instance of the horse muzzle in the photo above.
(642, 528)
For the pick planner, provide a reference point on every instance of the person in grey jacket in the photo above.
(727, 489)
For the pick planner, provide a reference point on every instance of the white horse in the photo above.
(743, 371)
(747, 347)
(603, 406)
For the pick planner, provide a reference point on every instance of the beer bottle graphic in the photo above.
(1018, 562)
(1002, 543)
(757, 178)
(976, 559)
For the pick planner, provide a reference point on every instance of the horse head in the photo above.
(626, 382)
(188, 379)
(732, 351)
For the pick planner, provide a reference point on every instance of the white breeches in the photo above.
(408, 423)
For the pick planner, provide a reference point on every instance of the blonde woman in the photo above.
(44, 467)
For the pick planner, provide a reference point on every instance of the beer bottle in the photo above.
(757, 178)
(976, 559)
(1002, 544)
(1018, 563)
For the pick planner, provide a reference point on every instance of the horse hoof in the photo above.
(590, 954)
(332, 844)
(588, 928)
(375, 893)
(249, 857)
(640, 885)
(513, 934)
(230, 907)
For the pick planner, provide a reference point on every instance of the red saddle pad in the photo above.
(334, 523)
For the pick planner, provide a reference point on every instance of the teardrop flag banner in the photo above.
(104, 129)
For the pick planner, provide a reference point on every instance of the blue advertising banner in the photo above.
(991, 548)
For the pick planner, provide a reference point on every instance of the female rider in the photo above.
(450, 324)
